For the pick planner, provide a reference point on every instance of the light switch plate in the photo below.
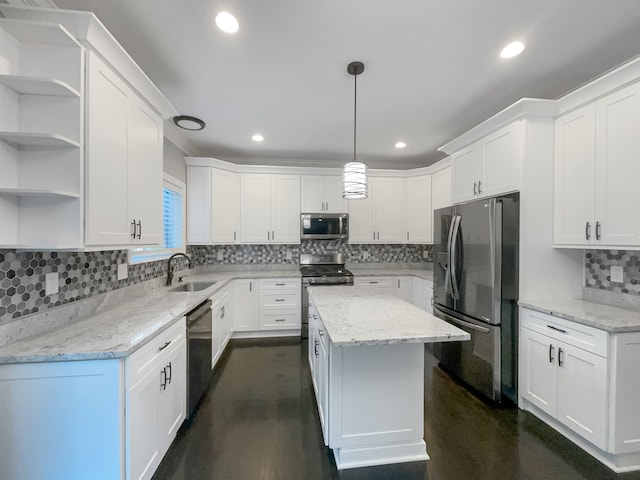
(51, 283)
(123, 271)
(617, 274)
(220, 255)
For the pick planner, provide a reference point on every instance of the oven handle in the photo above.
(461, 322)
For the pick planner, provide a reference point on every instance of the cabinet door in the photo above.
(501, 163)
(390, 210)
(361, 224)
(574, 178)
(255, 208)
(334, 203)
(466, 172)
(107, 220)
(418, 209)
(404, 288)
(538, 370)
(312, 194)
(419, 299)
(428, 299)
(224, 206)
(582, 393)
(617, 167)
(323, 384)
(246, 315)
(142, 443)
(216, 330)
(145, 172)
(441, 188)
(199, 205)
(172, 398)
(285, 208)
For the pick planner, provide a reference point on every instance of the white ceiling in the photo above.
(432, 68)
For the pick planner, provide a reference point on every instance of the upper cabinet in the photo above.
(212, 206)
(441, 188)
(380, 218)
(419, 214)
(322, 194)
(596, 166)
(488, 167)
(123, 162)
(269, 208)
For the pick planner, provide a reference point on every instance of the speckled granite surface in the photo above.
(355, 316)
(391, 271)
(120, 330)
(604, 317)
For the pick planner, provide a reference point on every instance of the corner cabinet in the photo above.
(380, 218)
(595, 171)
(488, 167)
(582, 381)
(123, 162)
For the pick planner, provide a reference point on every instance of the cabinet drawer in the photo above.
(279, 300)
(280, 320)
(374, 281)
(141, 361)
(581, 336)
(280, 283)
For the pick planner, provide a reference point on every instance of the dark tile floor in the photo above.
(259, 422)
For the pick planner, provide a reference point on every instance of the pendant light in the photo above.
(354, 174)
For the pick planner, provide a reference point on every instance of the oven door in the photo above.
(316, 226)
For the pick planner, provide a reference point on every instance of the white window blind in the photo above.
(172, 218)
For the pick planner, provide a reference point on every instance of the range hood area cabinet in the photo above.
(41, 136)
(597, 148)
(322, 194)
(124, 162)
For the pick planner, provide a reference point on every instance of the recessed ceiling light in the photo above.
(512, 50)
(227, 22)
(401, 145)
(257, 138)
(188, 122)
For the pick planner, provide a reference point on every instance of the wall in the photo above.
(174, 161)
(597, 265)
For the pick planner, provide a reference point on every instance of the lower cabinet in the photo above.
(222, 308)
(583, 382)
(379, 284)
(319, 366)
(414, 290)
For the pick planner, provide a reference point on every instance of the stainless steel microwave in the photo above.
(324, 226)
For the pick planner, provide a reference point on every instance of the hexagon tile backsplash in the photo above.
(598, 265)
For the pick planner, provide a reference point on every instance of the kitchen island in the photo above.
(366, 355)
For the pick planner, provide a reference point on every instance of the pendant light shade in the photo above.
(354, 174)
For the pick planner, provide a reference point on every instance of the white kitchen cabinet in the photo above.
(172, 398)
(322, 194)
(419, 213)
(380, 218)
(488, 167)
(595, 170)
(41, 137)
(380, 284)
(123, 161)
(212, 206)
(441, 188)
(404, 288)
(222, 322)
(422, 294)
(246, 316)
(269, 208)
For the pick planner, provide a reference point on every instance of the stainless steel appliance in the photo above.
(324, 226)
(320, 269)
(199, 335)
(475, 258)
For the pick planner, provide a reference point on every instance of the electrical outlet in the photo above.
(365, 255)
(289, 255)
(617, 274)
(220, 255)
(123, 271)
(51, 283)
(425, 254)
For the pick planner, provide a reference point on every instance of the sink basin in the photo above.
(192, 286)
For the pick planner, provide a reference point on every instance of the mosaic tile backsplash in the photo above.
(598, 270)
(83, 274)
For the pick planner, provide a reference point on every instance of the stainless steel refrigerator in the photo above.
(476, 289)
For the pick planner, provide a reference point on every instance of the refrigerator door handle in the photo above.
(447, 267)
(461, 322)
(455, 293)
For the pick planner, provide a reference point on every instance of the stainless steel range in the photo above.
(320, 269)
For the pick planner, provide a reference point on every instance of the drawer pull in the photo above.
(560, 362)
(556, 329)
(280, 319)
(163, 379)
(280, 299)
(550, 353)
(372, 283)
(169, 376)
(166, 344)
(280, 284)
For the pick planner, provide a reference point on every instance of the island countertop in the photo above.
(355, 316)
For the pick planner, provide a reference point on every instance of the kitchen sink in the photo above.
(192, 286)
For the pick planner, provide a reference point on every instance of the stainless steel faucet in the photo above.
(170, 267)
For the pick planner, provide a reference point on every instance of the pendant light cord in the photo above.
(355, 112)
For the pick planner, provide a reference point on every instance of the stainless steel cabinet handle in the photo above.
(222, 312)
(280, 319)
(479, 187)
(280, 284)
(374, 235)
(163, 379)
(556, 329)
(280, 299)
(315, 346)
(475, 187)
(398, 283)
(597, 230)
(550, 353)
(407, 236)
(250, 285)
(327, 206)
(234, 236)
(133, 230)
(560, 362)
(166, 344)
(139, 229)
(169, 377)
(587, 231)
(372, 283)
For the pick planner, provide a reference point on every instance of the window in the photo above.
(173, 208)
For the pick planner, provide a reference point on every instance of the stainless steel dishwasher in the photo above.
(199, 334)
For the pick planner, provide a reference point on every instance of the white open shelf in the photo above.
(38, 192)
(25, 85)
(19, 139)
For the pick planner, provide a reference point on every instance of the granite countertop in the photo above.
(120, 331)
(425, 274)
(355, 316)
(597, 315)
